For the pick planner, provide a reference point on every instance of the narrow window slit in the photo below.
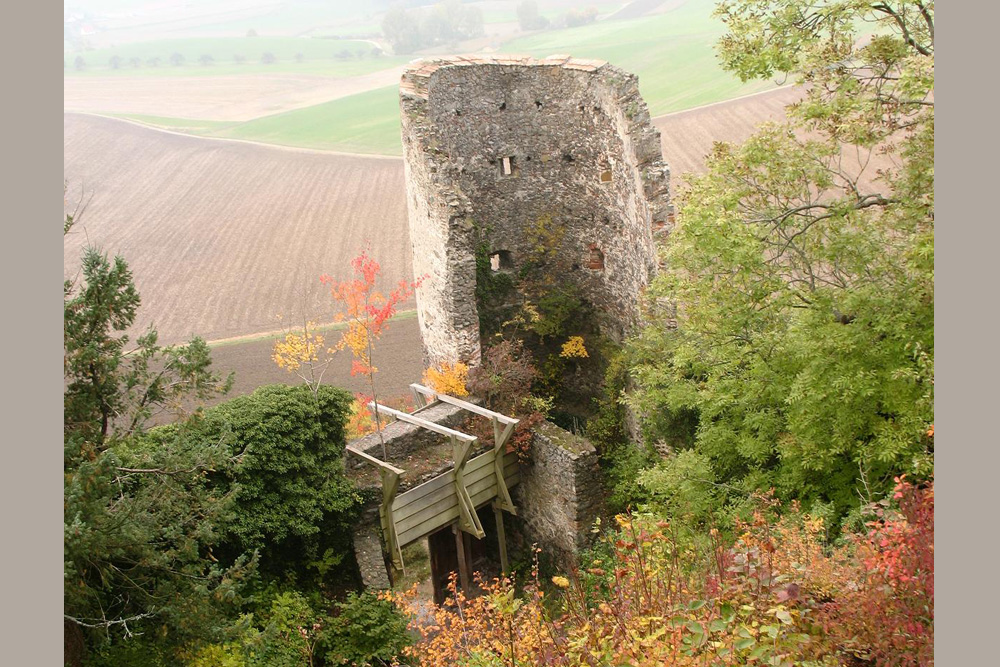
(507, 166)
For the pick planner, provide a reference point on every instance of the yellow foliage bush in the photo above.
(574, 348)
(297, 349)
(448, 378)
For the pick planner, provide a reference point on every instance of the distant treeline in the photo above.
(409, 30)
(178, 59)
(529, 18)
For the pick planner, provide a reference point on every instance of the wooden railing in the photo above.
(454, 496)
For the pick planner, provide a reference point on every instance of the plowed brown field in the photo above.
(223, 236)
(687, 136)
(215, 98)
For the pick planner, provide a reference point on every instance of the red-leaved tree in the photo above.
(366, 312)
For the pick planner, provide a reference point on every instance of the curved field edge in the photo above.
(222, 236)
(672, 53)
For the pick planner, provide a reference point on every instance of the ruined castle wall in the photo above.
(560, 494)
(552, 163)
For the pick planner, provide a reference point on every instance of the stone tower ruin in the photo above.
(502, 150)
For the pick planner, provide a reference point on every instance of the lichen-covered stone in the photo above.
(522, 152)
(561, 493)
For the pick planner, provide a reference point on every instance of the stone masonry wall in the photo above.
(585, 172)
(560, 494)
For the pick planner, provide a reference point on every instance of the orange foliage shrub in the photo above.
(774, 596)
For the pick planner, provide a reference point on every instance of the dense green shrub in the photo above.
(365, 630)
(293, 503)
(138, 522)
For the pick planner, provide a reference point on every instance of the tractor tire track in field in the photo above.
(223, 237)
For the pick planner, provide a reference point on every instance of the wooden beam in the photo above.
(469, 519)
(423, 423)
(419, 399)
(501, 536)
(465, 405)
(464, 571)
(390, 484)
(500, 438)
(379, 462)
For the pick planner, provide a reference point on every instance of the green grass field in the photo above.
(364, 123)
(321, 56)
(672, 53)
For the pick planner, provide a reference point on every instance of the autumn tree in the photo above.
(797, 310)
(305, 354)
(366, 314)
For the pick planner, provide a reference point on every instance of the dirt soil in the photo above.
(397, 357)
(687, 136)
(224, 236)
(221, 98)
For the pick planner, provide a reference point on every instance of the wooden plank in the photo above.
(444, 512)
(379, 462)
(465, 405)
(423, 524)
(439, 487)
(423, 423)
(432, 522)
(442, 500)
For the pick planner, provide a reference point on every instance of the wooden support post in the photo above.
(501, 536)
(390, 484)
(464, 571)
(499, 448)
(418, 399)
(468, 518)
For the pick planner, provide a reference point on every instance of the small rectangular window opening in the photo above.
(596, 258)
(507, 166)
